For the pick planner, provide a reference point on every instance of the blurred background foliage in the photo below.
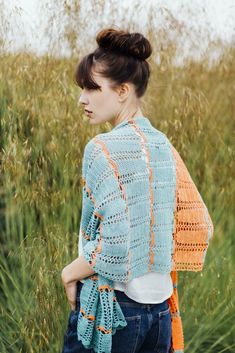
(43, 132)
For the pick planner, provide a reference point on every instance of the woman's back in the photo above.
(137, 149)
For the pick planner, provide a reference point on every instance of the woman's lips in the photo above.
(88, 112)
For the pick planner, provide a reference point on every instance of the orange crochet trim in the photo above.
(177, 338)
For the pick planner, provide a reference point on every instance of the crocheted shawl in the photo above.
(141, 212)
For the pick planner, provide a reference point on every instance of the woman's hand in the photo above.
(77, 270)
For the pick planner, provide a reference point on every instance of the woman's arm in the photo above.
(76, 270)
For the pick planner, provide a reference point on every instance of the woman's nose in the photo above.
(82, 99)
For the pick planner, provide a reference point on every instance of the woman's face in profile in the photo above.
(103, 103)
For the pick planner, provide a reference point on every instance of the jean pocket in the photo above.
(164, 312)
(165, 331)
(125, 339)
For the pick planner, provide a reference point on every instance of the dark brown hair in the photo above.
(121, 57)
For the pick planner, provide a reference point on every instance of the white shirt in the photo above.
(151, 288)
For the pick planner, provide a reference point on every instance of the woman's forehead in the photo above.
(99, 78)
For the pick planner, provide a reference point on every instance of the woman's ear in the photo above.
(123, 91)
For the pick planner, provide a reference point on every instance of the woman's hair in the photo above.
(121, 57)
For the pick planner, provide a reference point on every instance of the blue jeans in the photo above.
(148, 328)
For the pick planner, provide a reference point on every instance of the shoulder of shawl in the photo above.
(95, 162)
(91, 151)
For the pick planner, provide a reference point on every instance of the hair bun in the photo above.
(125, 43)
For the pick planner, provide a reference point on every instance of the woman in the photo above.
(123, 286)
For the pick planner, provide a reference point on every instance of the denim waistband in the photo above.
(123, 298)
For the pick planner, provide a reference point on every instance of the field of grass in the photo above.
(42, 136)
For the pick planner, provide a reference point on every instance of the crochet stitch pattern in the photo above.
(141, 212)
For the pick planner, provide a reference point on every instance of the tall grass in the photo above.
(42, 135)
